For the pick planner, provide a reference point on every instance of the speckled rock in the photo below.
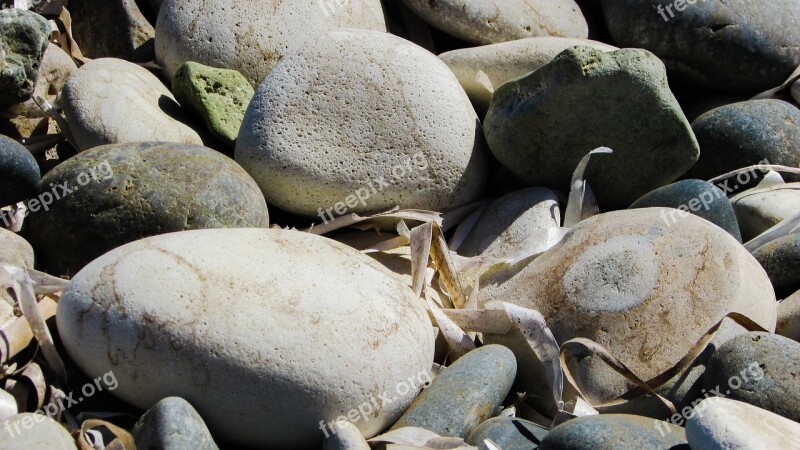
(509, 433)
(781, 259)
(789, 317)
(732, 425)
(511, 219)
(697, 197)
(19, 172)
(736, 45)
(219, 96)
(24, 37)
(235, 36)
(54, 70)
(758, 210)
(619, 100)
(16, 251)
(745, 134)
(121, 193)
(172, 424)
(310, 328)
(34, 431)
(360, 121)
(111, 101)
(481, 70)
(615, 432)
(643, 289)
(467, 393)
(761, 369)
(111, 29)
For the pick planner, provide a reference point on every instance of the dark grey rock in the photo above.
(762, 369)
(615, 432)
(24, 37)
(172, 424)
(125, 192)
(465, 394)
(509, 433)
(540, 126)
(697, 197)
(781, 259)
(19, 172)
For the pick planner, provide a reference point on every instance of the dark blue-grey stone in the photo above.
(24, 37)
(781, 259)
(762, 369)
(465, 394)
(19, 172)
(509, 433)
(615, 432)
(697, 197)
(172, 424)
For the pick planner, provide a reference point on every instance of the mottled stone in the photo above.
(789, 317)
(56, 67)
(615, 432)
(781, 259)
(759, 209)
(111, 29)
(34, 431)
(509, 433)
(172, 424)
(467, 393)
(24, 37)
(19, 172)
(541, 126)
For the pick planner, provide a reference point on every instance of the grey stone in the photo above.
(29, 431)
(759, 209)
(24, 37)
(615, 432)
(789, 317)
(509, 433)
(345, 437)
(781, 259)
(19, 172)
(112, 29)
(15, 250)
(172, 424)
(56, 67)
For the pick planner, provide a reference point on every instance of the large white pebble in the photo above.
(29, 431)
(265, 332)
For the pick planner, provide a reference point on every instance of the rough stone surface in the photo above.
(541, 126)
(125, 192)
(736, 45)
(56, 67)
(509, 433)
(781, 259)
(34, 431)
(467, 393)
(111, 101)
(111, 29)
(789, 317)
(16, 251)
(19, 172)
(24, 37)
(251, 37)
(264, 332)
(172, 424)
(614, 432)
(362, 113)
(758, 210)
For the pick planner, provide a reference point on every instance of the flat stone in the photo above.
(541, 126)
(24, 37)
(789, 317)
(509, 433)
(781, 258)
(759, 209)
(731, 425)
(697, 197)
(615, 432)
(125, 192)
(172, 424)
(111, 29)
(219, 96)
(34, 431)
(19, 172)
(467, 393)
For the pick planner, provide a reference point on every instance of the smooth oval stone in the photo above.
(781, 259)
(491, 22)
(345, 437)
(19, 172)
(731, 425)
(615, 432)
(465, 394)
(760, 369)
(481, 70)
(172, 424)
(736, 45)
(697, 197)
(267, 333)
(789, 317)
(745, 134)
(759, 209)
(360, 121)
(541, 126)
(124, 192)
(24, 36)
(508, 221)
(238, 36)
(15, 250)
(111, 101)
(644, 290)
(34, 431)
(509, 433)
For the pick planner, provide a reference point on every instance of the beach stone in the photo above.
(644, 290)
(310, 328)
(796, 91)
(19, 172)
(24, 37)
(761, 369)
(111, 101)
(615, 432)
(602, 99)
(697, 197)
(732, 425)
(760, 209)
(789, 317)
(16, 251)
(481, 70)
(219, 96)
(509, 433)
(359, 121)
(229, 35)
(745, 134)
(509, 220)
(172, 424)
(781, 259)
(124, 192)
(111, 29)
(346, 437)
(463, 396)
(56, 67)
(736, 46)
(34, 431)
(490, 22)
